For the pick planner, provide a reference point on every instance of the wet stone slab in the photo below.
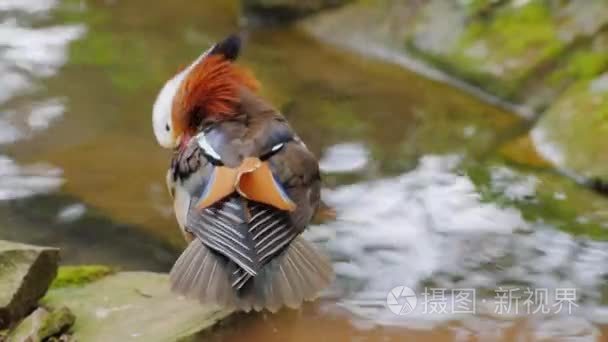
(133, 306)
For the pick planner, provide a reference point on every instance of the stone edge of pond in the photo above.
(42, 301)
(127, 306)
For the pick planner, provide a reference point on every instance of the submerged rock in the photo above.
(25, 275)
(133, 306)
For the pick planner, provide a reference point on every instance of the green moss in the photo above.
(466, 69)
(582, 64)
(69, 276)
(44, 325)
(585, 64)
(521, 28)
(501, 49)
(57, 322)
(517, 39)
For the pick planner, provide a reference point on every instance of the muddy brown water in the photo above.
(311, 325)
(425, 194)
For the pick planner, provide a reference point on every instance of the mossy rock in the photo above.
(43, 325)
(25, 275)
(497, 52)
(500, 47)
(136, 306)
(583, 61)
(571, 134)
(523, 51)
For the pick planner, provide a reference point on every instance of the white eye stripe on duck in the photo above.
(277, 147)
(273, 150)
(206, 147)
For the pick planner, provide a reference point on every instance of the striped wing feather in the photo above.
(224, 229)
(249, 234)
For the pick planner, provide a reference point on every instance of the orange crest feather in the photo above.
(211, 90)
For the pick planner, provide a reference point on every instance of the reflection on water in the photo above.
(512, 185)
(400, 231)
(33, 48)
(27, 6)
(429, 227)
(314, 324)
(18, 182)
(424, 197)
(346, 157)
(28, 54)
(84, 235)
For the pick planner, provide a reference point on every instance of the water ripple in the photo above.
(431, 227)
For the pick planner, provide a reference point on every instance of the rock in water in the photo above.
(132, 306)
(25, 275)
(571, 134)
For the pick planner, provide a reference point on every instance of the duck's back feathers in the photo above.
(295, 276)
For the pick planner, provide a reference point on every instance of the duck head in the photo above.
(207, 89)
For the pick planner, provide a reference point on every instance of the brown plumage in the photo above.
(245, 188)
(210, 91)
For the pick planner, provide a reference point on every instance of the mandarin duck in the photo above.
(244, 187)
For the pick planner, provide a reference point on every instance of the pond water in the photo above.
(433, 188)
